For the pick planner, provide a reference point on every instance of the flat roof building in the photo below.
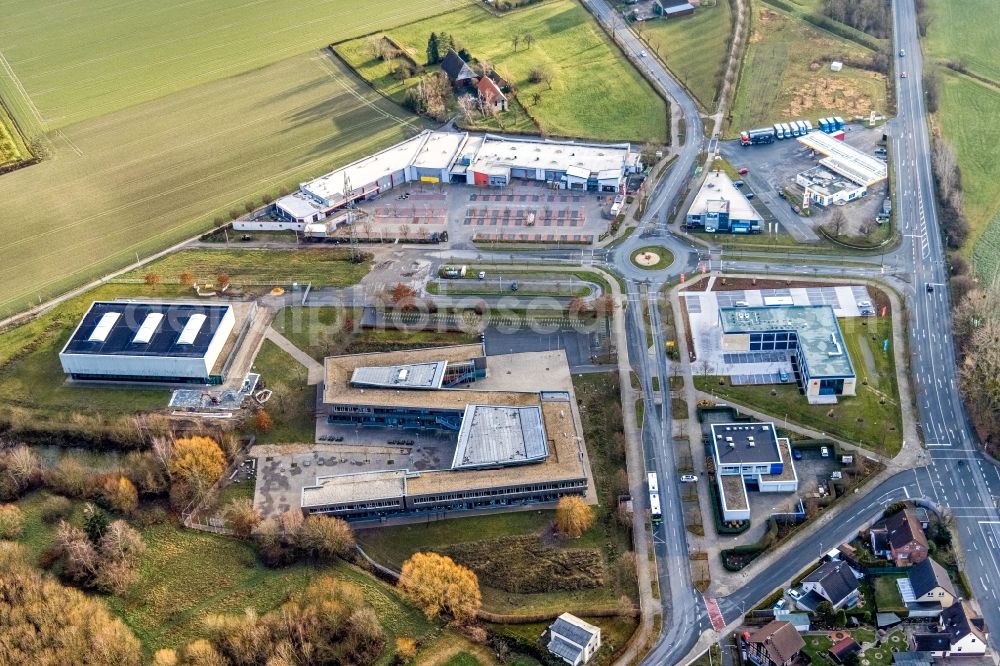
(811, 335)
(826, 188)
(845, 160)
(513, 446)
(148, 342)
(750, 452)
(720, 207)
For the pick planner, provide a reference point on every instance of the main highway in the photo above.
(952, 472)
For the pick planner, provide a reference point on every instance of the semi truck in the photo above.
(757, 136)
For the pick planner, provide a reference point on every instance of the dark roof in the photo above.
(120, 332)
(913, 658)
(927, 575)
(837, 578)
(456, 68)
(761, 435)
(810, 600)
(957, 621)
(903, 527)
(883, 620)
(568, 630)
(931, 642)
(844, 648)
(780, 639)
(565, 649)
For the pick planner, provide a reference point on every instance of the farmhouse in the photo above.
(517, 438)
(148, 342)
(720, 207)
(811, 334)
(491, 95)
(457, 70)
(750, 453)
(453, 157)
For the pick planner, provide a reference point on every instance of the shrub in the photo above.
(11, 522)
(55, 508)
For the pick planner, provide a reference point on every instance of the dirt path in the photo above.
(451, 645)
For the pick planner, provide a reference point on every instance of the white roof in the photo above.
(495, 435)
(365, 171)
(532, 153)
(104, 326)
(578, 172)
(718, 187)
(298, 206)
(148, 327)
(849, 162)
(439, 150)
(362, 487)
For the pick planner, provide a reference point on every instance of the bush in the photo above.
(11, 522)
(56, 508)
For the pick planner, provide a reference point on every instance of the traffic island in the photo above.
(652, 258)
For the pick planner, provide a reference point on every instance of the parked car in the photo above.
(750, 195)
(902, 53)
(689, 478)
(738, 183)
(796, 454)
(930, 289)
(780, 605)
(743, 171)
(824, 451)
(642, 54)
(781, 193)
(782, 376)
(482, 275)
(513, 285)
(795, 594)
(902, 75)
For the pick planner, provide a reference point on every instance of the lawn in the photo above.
(323, 267)
(602, 419)
(694, 48)
(292, 406)
(786, 74)
(568, 43)
(860, 419)
(663, 257)
(887, 596)
(139, 179)
(964, 115)
(187, 575)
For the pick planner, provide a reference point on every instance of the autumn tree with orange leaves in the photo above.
(439, 586)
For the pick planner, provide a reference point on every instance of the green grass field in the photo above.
(694, 48)
(323, 267)
(966, 32)
(786, 74)
(88, 59)
(293, 404)
(186, 575)
(568, 42)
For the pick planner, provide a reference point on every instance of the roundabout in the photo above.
(652, 257)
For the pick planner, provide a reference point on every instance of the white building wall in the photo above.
(222, 334)
(267, 225)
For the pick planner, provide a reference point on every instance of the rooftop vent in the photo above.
(191, 329)
(148, 328)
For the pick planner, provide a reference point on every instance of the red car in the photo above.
(743, 171)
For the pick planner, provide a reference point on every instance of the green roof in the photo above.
(820, 341)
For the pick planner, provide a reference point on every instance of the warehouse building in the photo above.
(809, 333)
(514, 446)
(452, 157)
(720, 207)
(750, 454)
(148, 342)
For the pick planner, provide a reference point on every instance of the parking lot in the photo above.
(519, 212)
(773, 167)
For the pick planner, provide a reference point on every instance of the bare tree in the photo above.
(529, 39)
(535, 98)
(466, 105)
(515, 40)
(837, 223)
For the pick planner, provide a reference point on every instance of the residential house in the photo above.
(833, 581)
(491, 95)
(775, 644)
(572, 640)
(900, 538)
(843, 649)
(958, 633)
(458, 71)
(929, 583)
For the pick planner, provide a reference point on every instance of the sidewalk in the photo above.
(312, 366)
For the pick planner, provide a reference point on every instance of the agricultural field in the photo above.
(91, 59)
(786, 74)
(186, 575)
(140, 179)
(12, 148)
(957, 34)
(568, 43)
(694, 48)
(966, 115)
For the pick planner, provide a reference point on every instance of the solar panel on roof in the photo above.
(190, 332)
(104, 326)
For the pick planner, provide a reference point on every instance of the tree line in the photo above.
(869, 16)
